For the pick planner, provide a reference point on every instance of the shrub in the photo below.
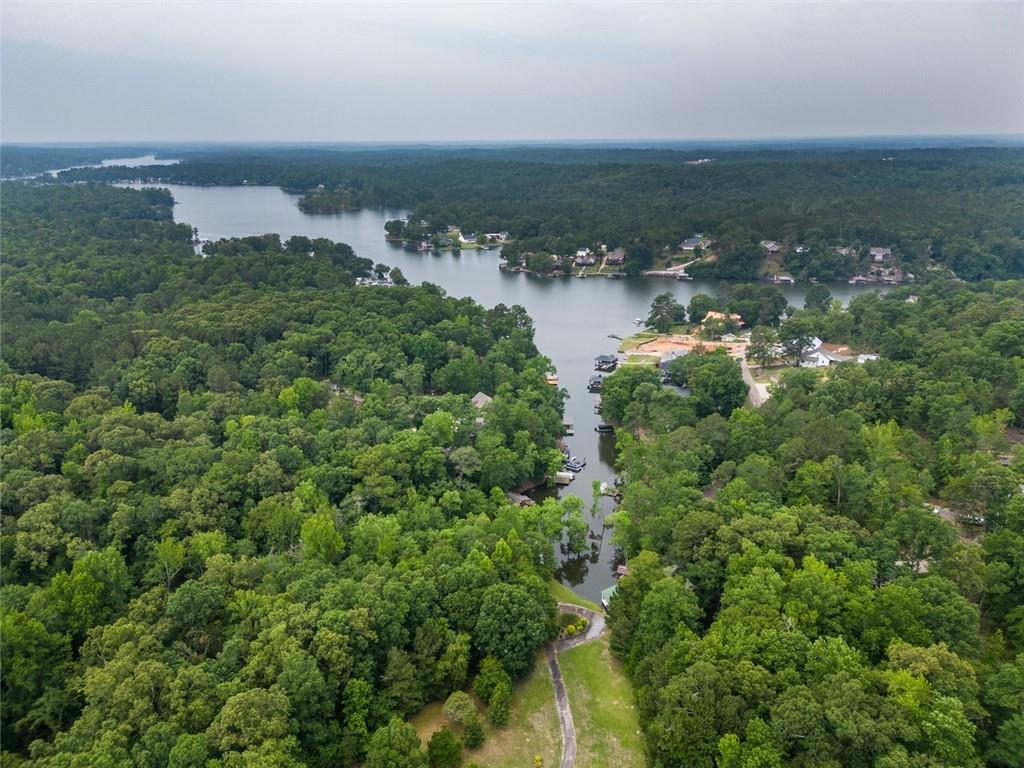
(444, 750)
(501, 699)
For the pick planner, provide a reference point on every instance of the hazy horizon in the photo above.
(925, 140)
(443, 73)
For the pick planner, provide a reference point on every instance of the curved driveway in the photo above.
(595, 628)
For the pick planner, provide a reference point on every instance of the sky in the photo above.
(93, 71)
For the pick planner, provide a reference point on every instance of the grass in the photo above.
(607, 725)
(632, 342)
(563, 594)
(532, 728)
(642, 359)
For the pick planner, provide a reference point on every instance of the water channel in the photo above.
(573, 317)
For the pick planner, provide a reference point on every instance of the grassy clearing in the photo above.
(632, 342)
(563, 594)
(532, 728)
(642, 360)
(603, 709)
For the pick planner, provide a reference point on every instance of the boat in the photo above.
(604, 428)
(638, 321)
(594, 385)
(569, 467)
(684, 276)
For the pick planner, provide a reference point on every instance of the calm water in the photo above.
(573, 317)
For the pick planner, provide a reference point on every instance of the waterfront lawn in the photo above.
(632, 342)
(642, 360)
(532, 727)
(563, 594)
(603, 709)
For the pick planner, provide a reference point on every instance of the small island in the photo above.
(323, 200)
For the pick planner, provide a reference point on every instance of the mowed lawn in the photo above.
(563, 594)
(603, 709)
(532, 727)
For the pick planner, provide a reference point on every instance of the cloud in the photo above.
(456, 71)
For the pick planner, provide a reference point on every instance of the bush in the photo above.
(501, 700)
(474, 733)
(491, 674)
(444, 750)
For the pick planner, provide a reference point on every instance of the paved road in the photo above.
(595, 628)
(758, 392)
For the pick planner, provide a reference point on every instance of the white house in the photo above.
(770, 246)
(691, 244)
(880, 255)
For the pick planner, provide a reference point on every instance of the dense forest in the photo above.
(837, 577)
(251, 516)
(961, 208)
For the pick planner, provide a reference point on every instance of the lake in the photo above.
(573, 318)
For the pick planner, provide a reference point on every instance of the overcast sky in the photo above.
(224, 71)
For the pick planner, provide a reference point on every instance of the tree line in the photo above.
(960, 208)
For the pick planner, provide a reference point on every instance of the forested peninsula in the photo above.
(960, 209)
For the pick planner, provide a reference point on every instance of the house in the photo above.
(693, 243)
(880, 255)
(802, 249)
(622, 570)
(866, 358)
(824, 355)
(715, 315)
(584, 258)
(770, 246)
(850, 253)
(618, 256)
(470, 238)
(815, 359)
(480, 400)
(606, 363)
(498, 237)
(668, 357)
(383, 281)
